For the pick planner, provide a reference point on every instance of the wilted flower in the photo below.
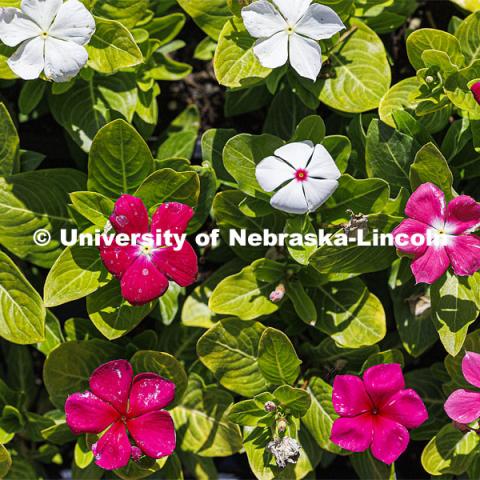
(475, 89)
(375, 412)
(290, 30)
(51, 35)
(305, 176)
(144, 269)
(285, 450)
(120, 402)
(463, 406)
(450, 226)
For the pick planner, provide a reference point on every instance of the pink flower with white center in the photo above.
(449, 226)
(145, 269)
(376, 412)
(120, 402)
(463, 406)
(305, 176)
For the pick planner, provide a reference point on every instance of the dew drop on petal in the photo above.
(122, 220)
(145, 272)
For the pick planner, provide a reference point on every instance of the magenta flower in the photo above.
(463, 406)
(145, 268)
(475, 89)
(376, 412)
(449, 226)
(120, 402)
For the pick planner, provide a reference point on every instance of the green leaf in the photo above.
(455, 306)
(94, 206)
(77, 272)
(389, 155)
(302, 303)
(9, 141)
(300, 224)
(340, 148)
(248, 413)
(128, 12)
(246, 293)
(201, 417)
(458, 91)
(430, 166)
(294, 400)
(5, 461)
(164, 365)
(360, 72)
(277, 358)
(209, 15)
(388, 356)
(432, 39)
(235, 63)
(30, 96)
(53, 334)
(119, 160)
(448, 452)
(350, 314)
(230, 350)
(366, 466)
(68, 368)
(112, 314)
(168, 303)
(213, 141)
(310, 128)
(467, 34)
(112, 47)
(165, 29)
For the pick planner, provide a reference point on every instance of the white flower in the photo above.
(51, 35)
(290, 32)
(306, 174)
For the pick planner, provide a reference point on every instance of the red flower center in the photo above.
(301, 175)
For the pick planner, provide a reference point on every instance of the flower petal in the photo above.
(305, 56)
(129, 215)
(181, 266)
(73, 23)
(272, 52)
(262, 20)
(154, 433)
(290, 199)
(319, 22)
(390, 439)
(383, 381)
(471, 368)
(16, 27)
(150, 392)
(111, 382)
(463, 215)
(322, 164)
(63, 59)
(86, 413)
(142, 282)
(405, 231)
(173, 217)
(28, 62)
(292, 10)
(427, 205)
(117, 258)
(296, 154)
(407, 408)
(354, 434)
(463, 406)
(429, 267)
(464, 254)
(317, 192)
(42, 12)
(272, 172)
(113, 450)
(349, 396)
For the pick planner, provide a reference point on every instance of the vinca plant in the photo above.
(239, 239)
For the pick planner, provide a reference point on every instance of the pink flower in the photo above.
(118, 401)
(475, 89)
(450, 226)
(144, 269)
(463, 406)
(376, 412)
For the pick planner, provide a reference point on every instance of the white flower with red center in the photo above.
(289, 30)
(449, 226)
(144, 269)
(51, 36)
(303, 175)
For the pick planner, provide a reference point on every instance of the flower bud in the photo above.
(429, 79)
(475, 89)
(270, 406)
(282, 425)
(277, 295)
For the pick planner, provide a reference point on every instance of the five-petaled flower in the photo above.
(462, 405)
(121, 402)
(144, 268)
(450, 229)
(375, 412)
(290, 30)
(51, 35)
(306, 174)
